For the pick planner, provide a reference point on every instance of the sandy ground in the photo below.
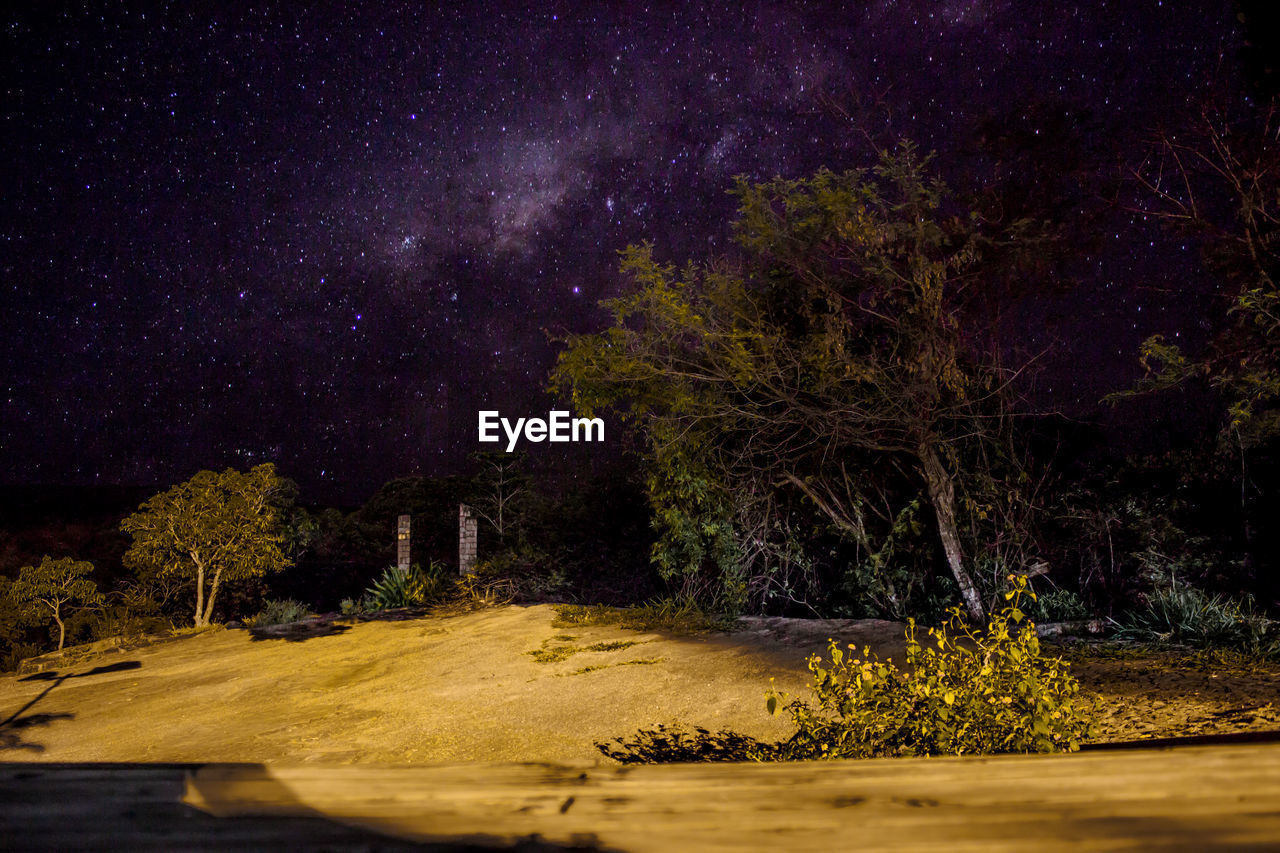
(1143, 694)
(465, 687)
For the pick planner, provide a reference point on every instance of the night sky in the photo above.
(327, 238)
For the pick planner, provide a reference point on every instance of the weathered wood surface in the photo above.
(1197, 798)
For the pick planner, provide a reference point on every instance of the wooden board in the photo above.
(1197, 798)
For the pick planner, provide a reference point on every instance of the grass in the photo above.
(668, 615)
(1186, 616)
(599, 666)
(555, 653)
(611, 646)
(552, 654)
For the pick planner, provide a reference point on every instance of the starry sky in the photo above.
(235, 233)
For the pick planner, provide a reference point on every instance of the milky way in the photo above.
(327, 238)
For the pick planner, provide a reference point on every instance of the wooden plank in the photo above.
(1198, 798)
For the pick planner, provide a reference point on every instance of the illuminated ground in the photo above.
(464, 688)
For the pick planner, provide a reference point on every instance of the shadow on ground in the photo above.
(20, 720)
(297, 632)
(141, 807)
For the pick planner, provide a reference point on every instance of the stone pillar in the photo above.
(402, 543)
(467, 536)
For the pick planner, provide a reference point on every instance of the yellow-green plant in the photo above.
(415, 587)
(963, 692)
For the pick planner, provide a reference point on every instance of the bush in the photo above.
(279, 613)
(963, 693)
(413, 588)
(1189, 616)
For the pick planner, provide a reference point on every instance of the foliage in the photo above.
(693, 517)
(49, 590)
(416, 587)
(843, 361)
(962, 693)
(667, 615)
(214, 528)
(1187, 615)
(276, 612)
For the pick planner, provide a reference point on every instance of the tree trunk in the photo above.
(200, 595)
(943, 497)
(62, 629)
(213, 595)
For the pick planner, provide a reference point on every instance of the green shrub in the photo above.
(350, 607)
(1059, 605)
(413, 588)
(962, 693)
(1189, 616)
(279, 613)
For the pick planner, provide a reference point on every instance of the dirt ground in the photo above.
(1143, 694)
(505, 685)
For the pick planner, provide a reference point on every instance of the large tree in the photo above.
(846, 348)
(48, 590)
(212, 529)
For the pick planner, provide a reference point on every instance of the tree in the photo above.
(845, 352)
(212, 529)
(49, 589)
(502, 490)
(1219, 181)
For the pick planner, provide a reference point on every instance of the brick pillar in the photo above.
(467, 536)
(402, 543)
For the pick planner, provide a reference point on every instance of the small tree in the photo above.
(53, 587)
(502, 490)
(213, 529)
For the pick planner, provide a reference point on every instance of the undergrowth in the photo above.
(666, 615)
(418, 586)
(1187, 616)
(963, 692)
(279, 613)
